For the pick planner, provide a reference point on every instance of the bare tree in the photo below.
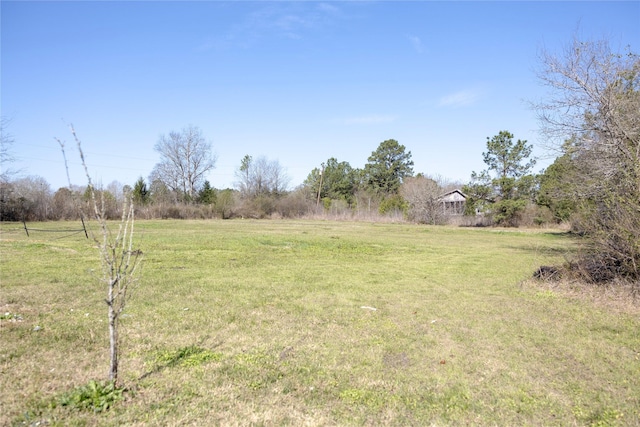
(278, 178)
(120, 261)
(186, 158)
(65, 204)
(36, 196)
(594, 100)
(593, 96)
(261, 177)
(117, 190)
(423, 195)
(594, 104)
(6, 156)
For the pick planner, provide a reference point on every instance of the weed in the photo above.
(368, 398)
(95, 396)
(11, 317)
(600, 417)
(189, 356)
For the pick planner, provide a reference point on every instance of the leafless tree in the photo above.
(261, 177)
(593, 96)
(65, 205)
(186, 158)
(36, 195)
(6, 156)
(120, 261)
(594, 102)
(117, 190)
(278, 178)
(423, 195)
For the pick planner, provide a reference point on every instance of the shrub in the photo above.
(393, 204)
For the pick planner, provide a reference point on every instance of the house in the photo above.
(453, 202)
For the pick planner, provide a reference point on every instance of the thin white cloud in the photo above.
(370, 120)
(293, 21)
(328, 8)
(416, 42)
(462, 98)
(288, 23)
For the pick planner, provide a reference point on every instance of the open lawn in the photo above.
(313, 323)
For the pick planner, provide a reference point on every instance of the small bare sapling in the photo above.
(119, 260)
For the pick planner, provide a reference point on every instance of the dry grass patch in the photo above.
(618, 296)
(262, 322)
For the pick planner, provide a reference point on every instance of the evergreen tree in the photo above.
(140, 192)
(387, 167)
(207, 195)
(505, 186)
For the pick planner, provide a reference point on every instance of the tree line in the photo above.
(386, 187)
(177, 188)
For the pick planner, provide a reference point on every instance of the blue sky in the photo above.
(297, 82)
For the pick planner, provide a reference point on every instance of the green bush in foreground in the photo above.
(94, 396)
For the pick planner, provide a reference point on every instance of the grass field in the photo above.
(314, 323)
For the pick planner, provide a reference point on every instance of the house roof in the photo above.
(453, 196)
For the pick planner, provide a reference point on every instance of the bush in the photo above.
(393, 204)
(507, 212)
(258, 207)
(613, 231)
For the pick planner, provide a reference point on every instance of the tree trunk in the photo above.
(113, 338)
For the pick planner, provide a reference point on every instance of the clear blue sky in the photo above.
(297, 82)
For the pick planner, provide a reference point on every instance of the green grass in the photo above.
(262, 323)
